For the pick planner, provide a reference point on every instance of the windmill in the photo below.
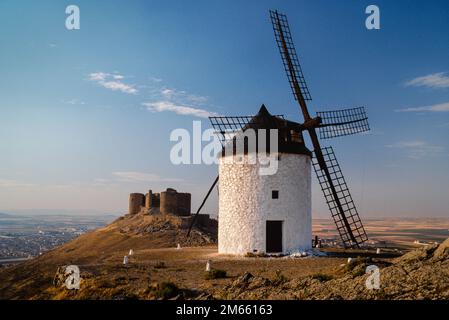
(330, 124)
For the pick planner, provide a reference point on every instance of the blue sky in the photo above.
(86, 115)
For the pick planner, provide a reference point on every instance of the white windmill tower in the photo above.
(268, 212)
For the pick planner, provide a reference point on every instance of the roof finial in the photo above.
(264, 110)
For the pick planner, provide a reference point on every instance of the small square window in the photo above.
(275, 194)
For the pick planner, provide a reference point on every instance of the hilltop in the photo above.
(102, 248)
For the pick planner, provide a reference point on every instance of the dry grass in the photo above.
(109, 279)
(99, 254)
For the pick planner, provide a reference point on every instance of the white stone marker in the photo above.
(131, 252)
(378, 251)
(349, 260)
(125, 260)
(178, 247)
(208, 265)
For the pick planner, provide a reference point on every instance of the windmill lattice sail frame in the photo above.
(345, 198)
(343, 122)
(227, 127)
(282, 32)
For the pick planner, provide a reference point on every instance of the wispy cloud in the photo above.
(160, 106)
(14, 183)
(112, 82)
(417, 149)
(178, 101)
(74, 102)
(441, 107)
(160, 98)
(155, 79)
(181, 95)
(435, 80)
(134, 176)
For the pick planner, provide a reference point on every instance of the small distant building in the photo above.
(168, 202)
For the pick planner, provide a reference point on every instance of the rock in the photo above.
(419, 274)
(442, 252)
(205, 296)
(418, 254)
(59, 277)
(246, 277)
(242, 281)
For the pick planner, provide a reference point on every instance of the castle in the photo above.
(166, 202)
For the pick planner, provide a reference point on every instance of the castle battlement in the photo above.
(168, 202)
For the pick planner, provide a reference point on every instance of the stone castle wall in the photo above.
(136, 201)
(168, 202)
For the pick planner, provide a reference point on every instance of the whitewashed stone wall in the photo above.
(245, 204)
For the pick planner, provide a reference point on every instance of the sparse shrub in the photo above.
(355, 262)
(215, 274)
(165, 290)
(125, 296)
(357, 267)
(322, 277)
(359, 270)
(256, 255)
(106, 284)
(160, 265)
(279, 278)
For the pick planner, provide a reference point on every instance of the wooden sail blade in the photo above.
(337, 123)
(288, 54)
(339, 199)
(202, 205)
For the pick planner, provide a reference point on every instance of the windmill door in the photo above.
(274, 236)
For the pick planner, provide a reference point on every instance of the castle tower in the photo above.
(267, 213)
(148, 199)
(184, 204)
(136, 201)
(169, 201)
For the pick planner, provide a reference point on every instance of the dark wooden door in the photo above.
(274, 236)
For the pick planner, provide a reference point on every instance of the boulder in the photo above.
(442, 252)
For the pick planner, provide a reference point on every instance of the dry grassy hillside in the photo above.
(137, 232)
(158, 270)
(101, 249)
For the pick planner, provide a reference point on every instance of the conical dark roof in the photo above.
(290, 139)
(265, 120)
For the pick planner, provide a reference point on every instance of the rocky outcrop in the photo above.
(419, 274)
